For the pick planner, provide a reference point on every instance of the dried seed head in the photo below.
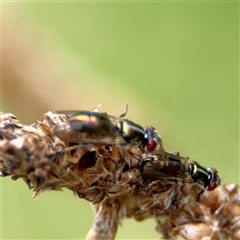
(49, 155)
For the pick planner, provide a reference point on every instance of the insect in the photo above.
(101, 125)
(173, 167)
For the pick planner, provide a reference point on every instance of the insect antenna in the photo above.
(125, 111)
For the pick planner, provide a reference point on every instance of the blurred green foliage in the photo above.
(177, 66)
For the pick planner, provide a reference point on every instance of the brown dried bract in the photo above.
(48, 155)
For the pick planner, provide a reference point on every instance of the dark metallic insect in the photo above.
(92, 123)
(101, 125)
(173, 167)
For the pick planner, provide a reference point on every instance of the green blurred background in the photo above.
(175, 63)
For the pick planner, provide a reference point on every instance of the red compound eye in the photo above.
(151, 127)
(212, 185)
(214, 170)
(151, 144)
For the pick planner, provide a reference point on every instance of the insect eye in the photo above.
(212, 185)
(151, 128)
(213, 170)
(151, 144)
(152, 138)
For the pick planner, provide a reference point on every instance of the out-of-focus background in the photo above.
(176, 64)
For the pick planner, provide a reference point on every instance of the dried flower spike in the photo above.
(120, 174)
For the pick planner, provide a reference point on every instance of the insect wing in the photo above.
(93, 123)
(69, 113)
(165, 166)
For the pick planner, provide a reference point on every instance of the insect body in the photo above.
(130, 131)
(169, 166)
(92, 123)
(101, 125)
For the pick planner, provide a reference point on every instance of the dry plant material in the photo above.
(122, 179)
